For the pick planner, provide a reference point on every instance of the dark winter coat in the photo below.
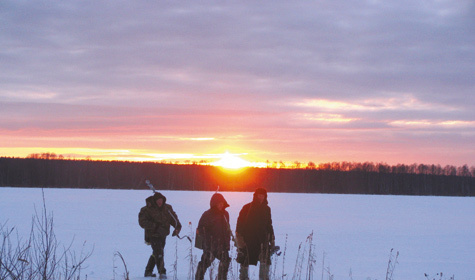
(254, 225)
(157, 220)
(214, 226)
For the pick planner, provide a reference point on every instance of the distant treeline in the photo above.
(344, 177)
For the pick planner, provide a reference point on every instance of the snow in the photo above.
(353, 234)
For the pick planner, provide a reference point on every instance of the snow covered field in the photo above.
(353, 234)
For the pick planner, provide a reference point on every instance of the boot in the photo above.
(223, 270)
(264, 270)
(161, 268)
(243, 272)
(149, 267)
(150, 274)
(200, 272)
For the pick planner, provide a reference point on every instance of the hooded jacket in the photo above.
(214, 226)
(254, 225)
(156, 220)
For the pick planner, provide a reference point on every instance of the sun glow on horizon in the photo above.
(231, 161)
(227, 160)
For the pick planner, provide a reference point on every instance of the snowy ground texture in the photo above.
(352, 234)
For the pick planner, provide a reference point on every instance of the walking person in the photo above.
(213, 235)
(255, 236)
(156, 217)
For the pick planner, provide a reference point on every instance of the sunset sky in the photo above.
(321, 81)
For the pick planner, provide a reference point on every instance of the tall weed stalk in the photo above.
(41, 256)
(391, 264)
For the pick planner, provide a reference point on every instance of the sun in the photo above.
(231, 161)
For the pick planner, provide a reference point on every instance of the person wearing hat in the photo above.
(155, 218)
(214, 235)
(255, 236)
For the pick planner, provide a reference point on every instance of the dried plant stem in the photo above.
(126, 272)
